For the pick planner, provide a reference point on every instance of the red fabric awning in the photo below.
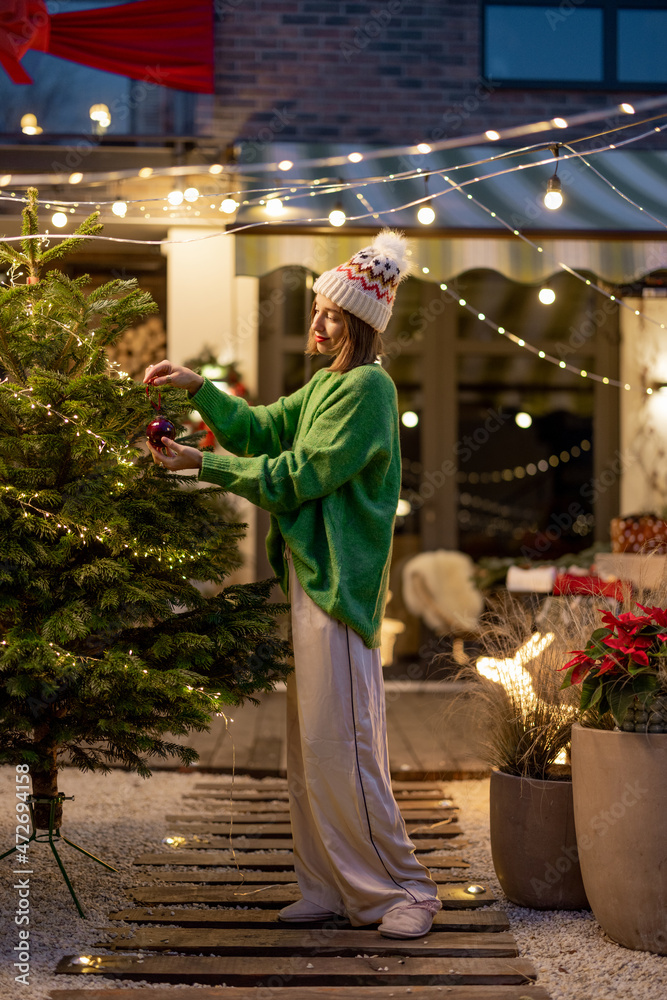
(166, 42)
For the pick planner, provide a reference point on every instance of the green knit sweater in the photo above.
(325, 462)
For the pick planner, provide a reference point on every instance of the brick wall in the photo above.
(393, 71)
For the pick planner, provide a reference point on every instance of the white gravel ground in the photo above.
(120, 816)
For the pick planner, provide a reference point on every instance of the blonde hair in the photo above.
(361, 344)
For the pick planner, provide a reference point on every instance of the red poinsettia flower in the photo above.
(608, 664)
(627, 645)
(625, 624)
(582, 665)
(659, 615)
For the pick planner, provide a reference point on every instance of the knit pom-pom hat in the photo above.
(366, 284)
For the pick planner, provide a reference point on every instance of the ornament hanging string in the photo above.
(157, 408)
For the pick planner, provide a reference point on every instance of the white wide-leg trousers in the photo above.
(352, 853)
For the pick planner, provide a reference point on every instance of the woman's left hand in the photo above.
(179, 456)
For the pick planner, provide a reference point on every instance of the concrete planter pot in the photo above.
(533, 842)
(620, 806)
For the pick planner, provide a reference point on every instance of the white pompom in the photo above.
(398, 248)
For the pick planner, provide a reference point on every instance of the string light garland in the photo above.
(339, 186)
(277, 195)
(526, 345)
(327, 185)
(521, 471)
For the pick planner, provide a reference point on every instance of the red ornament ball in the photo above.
(157, 429)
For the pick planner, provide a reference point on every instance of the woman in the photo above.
(325, 462)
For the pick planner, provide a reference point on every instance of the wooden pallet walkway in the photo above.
(431, 734)
(189, 932)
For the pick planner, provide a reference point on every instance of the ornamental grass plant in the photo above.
(516, 684)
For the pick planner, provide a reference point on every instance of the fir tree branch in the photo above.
(30, 229)
(89, 227)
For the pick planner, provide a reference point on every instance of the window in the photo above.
(63, 92)
(604, 44)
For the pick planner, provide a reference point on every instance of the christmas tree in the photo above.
(107, 646)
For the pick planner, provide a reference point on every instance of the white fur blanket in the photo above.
(438, 587)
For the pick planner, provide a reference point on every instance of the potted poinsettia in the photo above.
(623, 670)
(619, 775)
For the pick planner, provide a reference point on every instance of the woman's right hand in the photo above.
(164, 373)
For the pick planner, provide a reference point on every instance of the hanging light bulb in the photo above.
(274, 207)
(337, 216)
(175, 198)
(191, 194)
(119, 208)
(553, 198)
(29, 125)
(426, 215)
(59, 219)
(547, 296)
